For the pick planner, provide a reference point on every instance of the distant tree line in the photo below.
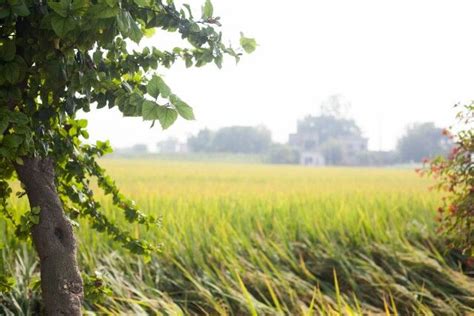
(232, 139)
(243, 140)
(420, 141)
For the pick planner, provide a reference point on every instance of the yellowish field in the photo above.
(263, 240)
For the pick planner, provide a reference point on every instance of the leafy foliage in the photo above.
(61, 57)
(95, 288)
(455, 177)
(248, 44)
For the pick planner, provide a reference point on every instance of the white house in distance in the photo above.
(172, 146)
(318, 146)
(307, 144)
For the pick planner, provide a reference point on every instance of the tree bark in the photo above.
(53, 238)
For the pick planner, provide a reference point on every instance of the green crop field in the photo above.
(243, 239)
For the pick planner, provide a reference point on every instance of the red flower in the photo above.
(470, 262)
(453, 208)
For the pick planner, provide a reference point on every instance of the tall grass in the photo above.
(265, 240)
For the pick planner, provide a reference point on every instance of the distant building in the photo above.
(171, 146)
(334, 149)
(307, 143)
(314, 158)
(352, 146)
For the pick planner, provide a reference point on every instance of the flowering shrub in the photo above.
(454, 176)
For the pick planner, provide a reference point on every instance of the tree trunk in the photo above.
(53, 238)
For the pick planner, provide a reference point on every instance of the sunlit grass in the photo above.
(266, 240)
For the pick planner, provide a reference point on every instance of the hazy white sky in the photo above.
(396, 61)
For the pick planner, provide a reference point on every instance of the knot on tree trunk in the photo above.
(74, 287)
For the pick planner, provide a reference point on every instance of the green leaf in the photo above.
(22, 67)
(82, 123)
(79, 7)
(188, 61)
(103, 11)
(2, 76)
(61, 8)
(20, 9)
(153, 88)
(207, 10)
(8, 50)
(149, 32)
(142, 3)
(3, 124)
(123, 22)
(4, 12)
(184, 110)
(35, 219)
(150, 111)
(36, 210)
(133, 105)
(11, 72)
(135, 33)
(189, 11)
(194, 28)
(248, 44)
(111, 3)
(19, 161)
(128, 26)
(167, 116)
(19, 118)
(62, 26)
(163, 88)
(157, 86)
(6, 283)
(218, 61)
(12, 141)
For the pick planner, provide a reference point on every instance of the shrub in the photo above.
(454, 177)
